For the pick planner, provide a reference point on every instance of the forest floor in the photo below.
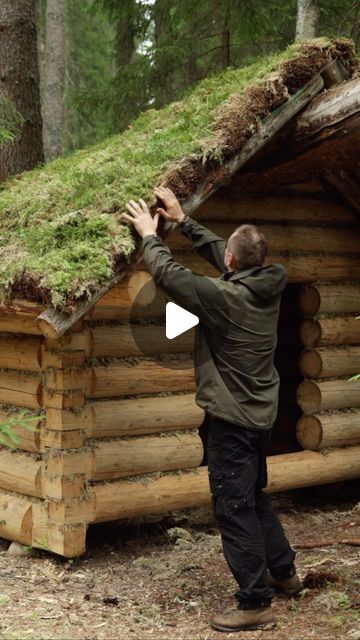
(165, 579)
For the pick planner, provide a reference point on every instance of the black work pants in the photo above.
(252, 536)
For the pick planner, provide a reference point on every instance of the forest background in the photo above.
(102, 62)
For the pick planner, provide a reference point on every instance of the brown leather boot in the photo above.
(289, 587)
(242, 619)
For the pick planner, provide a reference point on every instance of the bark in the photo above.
(54, 80)
(306, 19)
(19, 79)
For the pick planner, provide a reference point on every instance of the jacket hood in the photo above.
(265, 282)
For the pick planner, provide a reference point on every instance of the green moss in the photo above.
(58, 224)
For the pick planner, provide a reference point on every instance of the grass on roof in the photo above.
(58, 224)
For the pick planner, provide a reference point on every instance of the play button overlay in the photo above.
(178, 320)
(163, 331)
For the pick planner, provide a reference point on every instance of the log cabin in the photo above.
(83, 347)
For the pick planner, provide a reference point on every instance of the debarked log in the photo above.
(135, 456)
(314, 396)
(329, 298)
(137, 416)
(136, 340)
(240, 209)
(137, 289)
(21, 390)
(330, 331)
(325, 362)
(309, 268)
(155, 309)
(15, 518)
(20, 472)
(18, 323)
(329, 429)
(281, 239)
(24, 354)
(127, 499)
(125, 378)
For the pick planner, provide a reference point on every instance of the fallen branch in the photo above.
(353, 542)
(314, 544)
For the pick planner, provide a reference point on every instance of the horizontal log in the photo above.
(20, 472)
(329, 429)
(12, 323)
(268, 209)
(281, 239)
(299, 269)
(334, 105)
(137, 416)
(310, 468)
(124, 499)
(330, 363)
(135, 456)
(21, 390)
(330, 331)
(15, 518)
(314, 396)
(325, 298)
(120, 378)
(145, 377)
(136, 340)
(29, 438)
(20, 354)
(138, 289)
(155, 309)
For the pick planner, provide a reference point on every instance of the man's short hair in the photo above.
(248, 246)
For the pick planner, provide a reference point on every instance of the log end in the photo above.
(310, 363)
(309, 432)
(309, 397)
(310, 332)
(309, 300)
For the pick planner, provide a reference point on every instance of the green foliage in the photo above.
(59, 229)
(90, 69)
(8, 435)
(11, 121)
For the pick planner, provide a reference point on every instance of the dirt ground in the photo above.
(165, 579)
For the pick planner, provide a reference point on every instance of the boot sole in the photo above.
(253, 627)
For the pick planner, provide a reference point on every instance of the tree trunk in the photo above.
(19, 79)
(306, 19)
(54, 80)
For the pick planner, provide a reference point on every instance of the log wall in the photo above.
(114, 399)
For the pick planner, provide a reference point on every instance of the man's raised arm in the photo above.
(207, 244)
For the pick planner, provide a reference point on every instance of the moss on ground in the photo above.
(60, 235)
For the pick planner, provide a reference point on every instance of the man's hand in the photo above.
(173, 211)
(140, 217)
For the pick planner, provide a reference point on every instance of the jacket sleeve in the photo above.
(192, 292)
(207, 244)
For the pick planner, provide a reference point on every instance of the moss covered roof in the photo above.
(60, 237)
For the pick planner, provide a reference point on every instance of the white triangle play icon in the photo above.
(178, 320)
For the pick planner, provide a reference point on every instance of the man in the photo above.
(237, 385)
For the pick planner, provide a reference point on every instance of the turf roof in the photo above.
(60, 237)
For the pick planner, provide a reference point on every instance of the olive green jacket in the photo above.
(237, 332)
